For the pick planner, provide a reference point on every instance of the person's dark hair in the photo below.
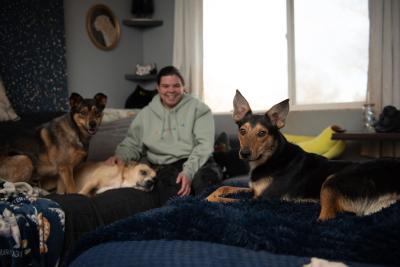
(167, 71)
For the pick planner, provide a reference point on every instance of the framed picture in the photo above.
(103, 27)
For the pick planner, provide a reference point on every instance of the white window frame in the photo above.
(292, 72)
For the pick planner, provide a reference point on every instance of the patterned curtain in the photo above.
(32, 55)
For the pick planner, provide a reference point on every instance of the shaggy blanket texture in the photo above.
(272, 225)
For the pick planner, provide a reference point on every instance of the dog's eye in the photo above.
(142, 172)
(242, 131)
(261, 133)
(83, 113)
(98, 113)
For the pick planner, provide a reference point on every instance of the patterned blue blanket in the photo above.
(31, 228)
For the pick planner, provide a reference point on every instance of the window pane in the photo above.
(244, 48)
(331, 49)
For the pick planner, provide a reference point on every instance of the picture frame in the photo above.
(103, 27)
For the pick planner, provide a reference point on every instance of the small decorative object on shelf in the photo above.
(142, 8)
(146, 69)
(142, 11)
(143, 73)
(369, 117)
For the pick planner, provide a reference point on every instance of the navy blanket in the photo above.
(271, 225)
(31, 228)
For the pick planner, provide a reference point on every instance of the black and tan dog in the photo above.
(279, 169)
(52, 150)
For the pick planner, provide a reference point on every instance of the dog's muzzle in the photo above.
(92, 128)
(147, 185)
(246, 154)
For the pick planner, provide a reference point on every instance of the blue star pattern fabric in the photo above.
(32, 52)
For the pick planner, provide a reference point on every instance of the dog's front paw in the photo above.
(219, 194)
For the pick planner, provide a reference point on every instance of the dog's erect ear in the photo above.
(101, 100)
(240, 107)
(74, 100)
(278, 113)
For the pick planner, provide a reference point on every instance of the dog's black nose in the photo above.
(245, 153)
(149, 183)
(92, 124)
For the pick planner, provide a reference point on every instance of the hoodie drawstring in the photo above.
(167, 116)
(176, 127)
(163, 125)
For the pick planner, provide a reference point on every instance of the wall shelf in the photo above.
(143, 23)
(374, 145)
(142, 78)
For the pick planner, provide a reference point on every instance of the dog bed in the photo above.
(272, 226)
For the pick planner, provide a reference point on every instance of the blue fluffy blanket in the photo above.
(272, 225)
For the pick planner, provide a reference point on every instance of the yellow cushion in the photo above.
(321, 144)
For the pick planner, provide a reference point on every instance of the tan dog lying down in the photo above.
(95, 177)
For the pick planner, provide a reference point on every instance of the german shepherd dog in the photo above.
(279, 169)
(53, 149)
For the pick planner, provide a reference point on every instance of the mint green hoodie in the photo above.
(185, 131)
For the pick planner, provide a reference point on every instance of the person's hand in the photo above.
(185, 184)
(114, 160)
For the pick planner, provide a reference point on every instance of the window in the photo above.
(314, 52)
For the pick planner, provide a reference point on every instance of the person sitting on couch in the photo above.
(175, 133)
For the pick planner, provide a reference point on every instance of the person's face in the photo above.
(170, 90)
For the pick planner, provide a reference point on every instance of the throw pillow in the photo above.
(7, 112)
(112, 114)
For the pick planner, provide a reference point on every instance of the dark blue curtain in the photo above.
(32, 55)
